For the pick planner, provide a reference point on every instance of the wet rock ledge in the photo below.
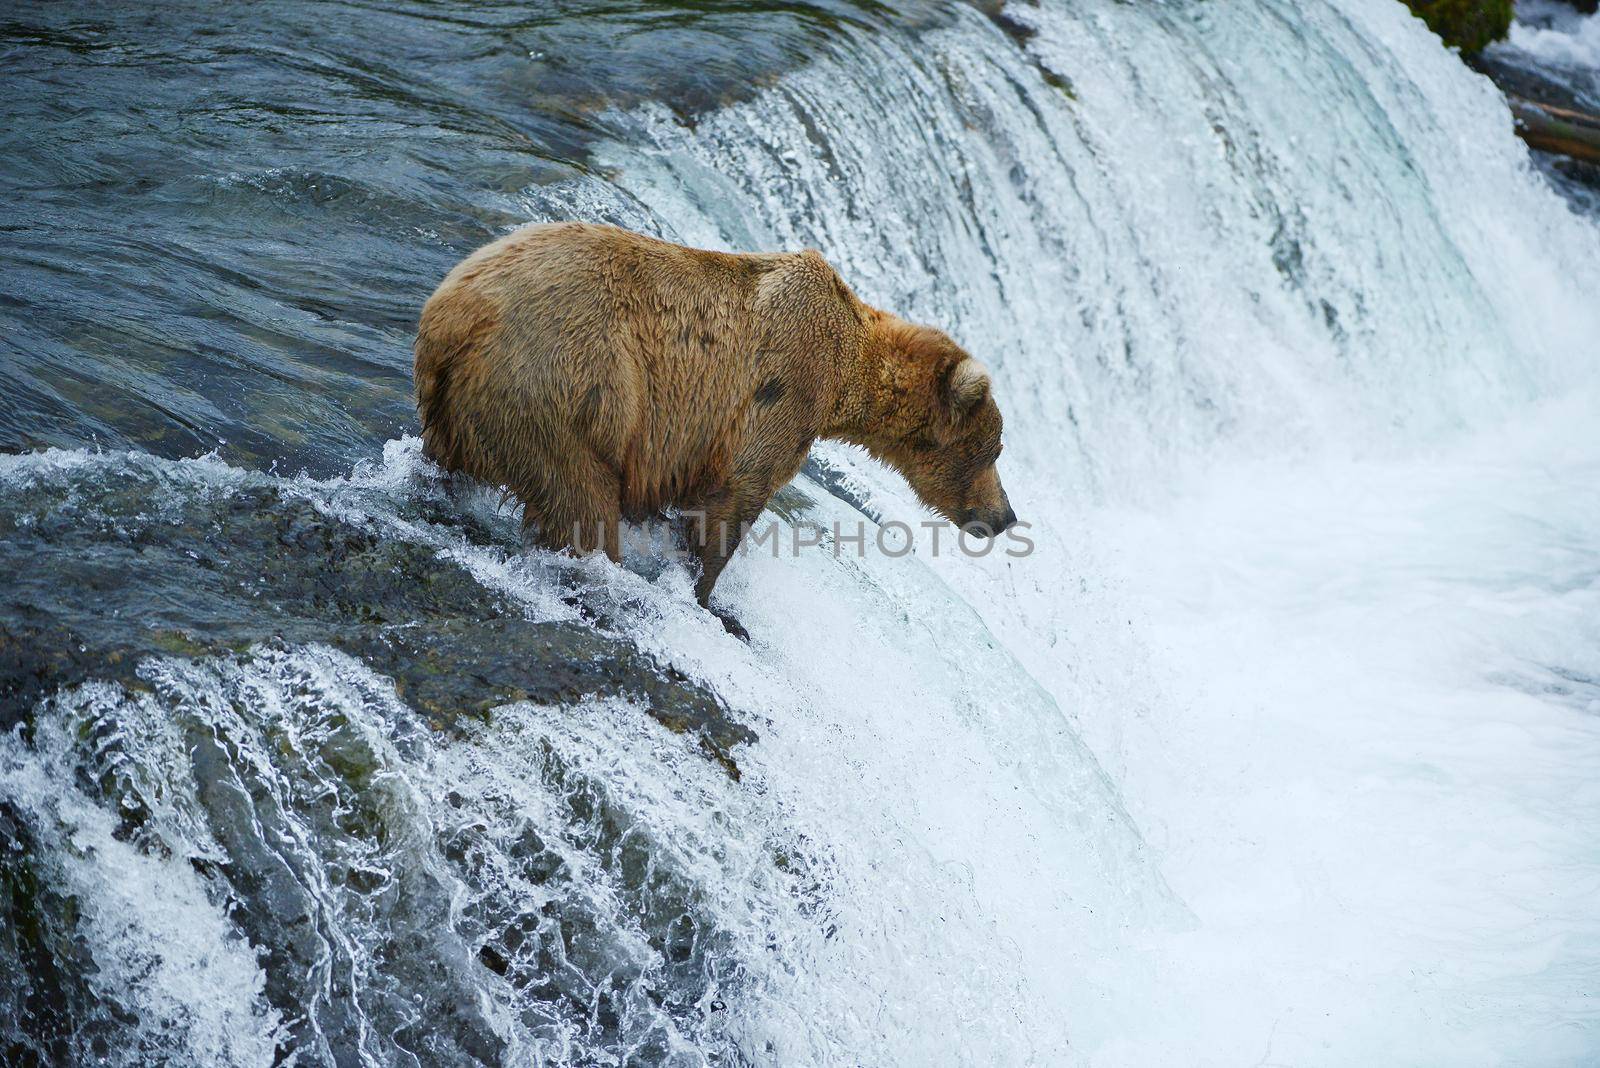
(104, 578)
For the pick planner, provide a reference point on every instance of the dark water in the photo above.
(222, 219)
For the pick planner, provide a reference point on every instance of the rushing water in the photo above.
(1280, 748)
(1561, 43)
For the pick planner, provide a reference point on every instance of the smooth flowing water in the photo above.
(1278, 749)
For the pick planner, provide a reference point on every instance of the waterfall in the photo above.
(1272, 750)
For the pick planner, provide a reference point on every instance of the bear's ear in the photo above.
(968, 386)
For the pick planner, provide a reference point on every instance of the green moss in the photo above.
(1469, 25)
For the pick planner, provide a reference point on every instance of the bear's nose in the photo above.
(979, 525)
(1008, 521)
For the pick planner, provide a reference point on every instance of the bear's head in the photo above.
(937, 424)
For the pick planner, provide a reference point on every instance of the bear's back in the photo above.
(647, 351)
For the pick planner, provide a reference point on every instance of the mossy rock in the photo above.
(1469, 25)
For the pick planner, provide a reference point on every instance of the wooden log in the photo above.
(1559, 130)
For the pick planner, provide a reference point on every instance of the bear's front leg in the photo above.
(716, 535)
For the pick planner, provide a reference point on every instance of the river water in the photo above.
(1280, 748)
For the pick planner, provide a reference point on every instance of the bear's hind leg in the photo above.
(574, 503)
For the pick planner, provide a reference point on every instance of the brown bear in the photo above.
(601, 375)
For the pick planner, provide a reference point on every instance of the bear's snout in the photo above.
(982, 524)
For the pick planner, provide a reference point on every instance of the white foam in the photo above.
(1560, 35)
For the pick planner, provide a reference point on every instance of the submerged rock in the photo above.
(51, 1013)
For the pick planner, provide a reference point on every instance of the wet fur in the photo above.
(600, 375)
